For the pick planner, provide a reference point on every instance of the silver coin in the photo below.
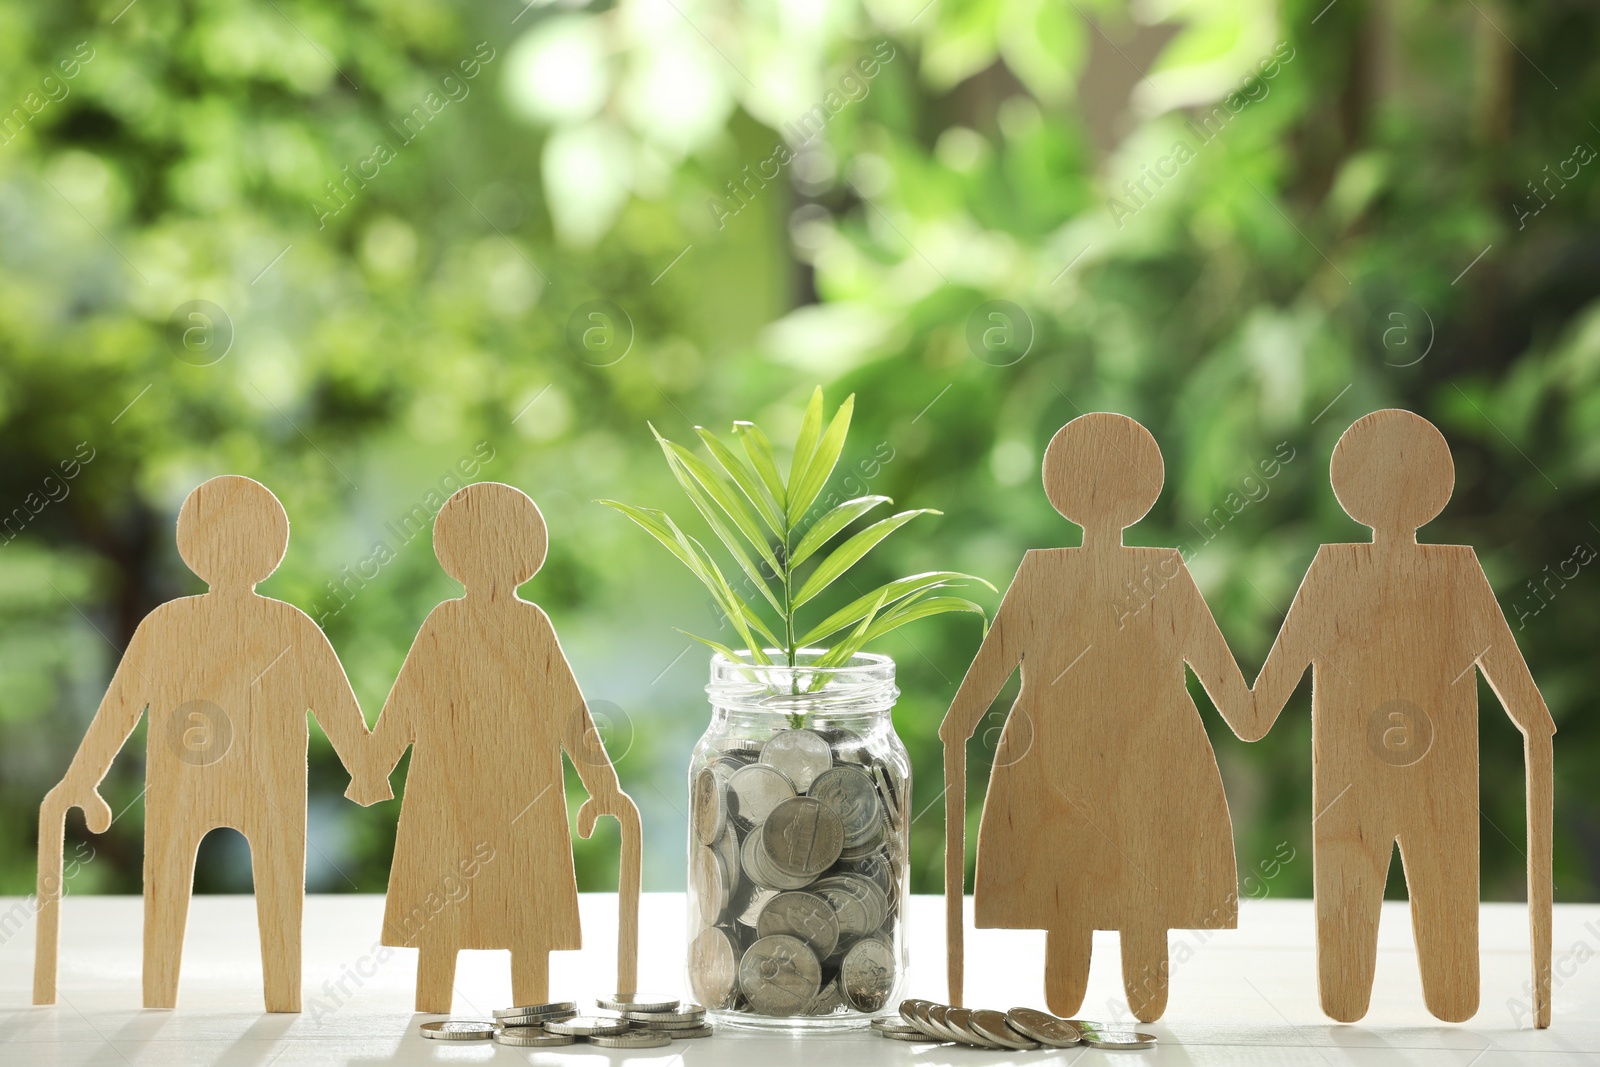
(1107, 1035)
(534, 1020)
(861, 906)
(691, 1014)
(708, 807)
(687, 1035)
(936, 1019)
(828, 1001)
(633, 1003)
(757, 789)
(588, 1026)
(893, 1024)
(907, 1011)
(459, 1030)
(739, 746)
(991, 1025)
(800, 754)
(666, 1027)
(713, 968)
(779, 975)
(852, 796)
(867, 975)
(1043, 1027)
(727, 846)
(709, 881)
(758, 867)
(532, 1037)
(555, 1007)
(804, 915)
(916, 1036)
(632, 1039)
(751, 915)
(959, 1022)
(802, 837)
(921, 1017)
(875, 868)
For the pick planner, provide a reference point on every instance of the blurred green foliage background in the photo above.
(434, 242)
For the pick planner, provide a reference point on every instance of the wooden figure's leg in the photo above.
(436, 979)
(169, 856)
(530, 976)
(1066, 969)
(1144, 971)
(1349, 871)
(1444, 917)
(278, 861)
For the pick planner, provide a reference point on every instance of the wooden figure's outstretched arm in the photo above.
(333, 702)
(997, 657)
(125, 700)
(1286, 663)
(1208, 653)
(1508, 675)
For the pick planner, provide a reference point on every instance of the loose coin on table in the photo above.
(459, 1030)
(649, 1003)
(536, 1011)
(959, 1021)
(1043, 1027)
(588, 1026)
(893, 1024)
(532, 1037)
(685, 1035)
(991, 1025)
(1107, 1035)
(631, 1039)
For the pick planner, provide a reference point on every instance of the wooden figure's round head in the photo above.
(489, 536)
(232, 532)
(1392, 471)
(1103, 471)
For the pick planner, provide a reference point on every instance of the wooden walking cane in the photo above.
(1541, 814)
(628, 875)
(955, 864)
(47, 920)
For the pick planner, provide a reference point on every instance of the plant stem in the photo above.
(788, 612)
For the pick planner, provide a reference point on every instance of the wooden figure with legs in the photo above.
(483, 859)
(1395, 633)
(227, 677)
(1105, 808)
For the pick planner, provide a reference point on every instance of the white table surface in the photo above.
(1242, 996)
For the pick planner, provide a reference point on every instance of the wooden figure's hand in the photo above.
(74, 792)
(613, 802)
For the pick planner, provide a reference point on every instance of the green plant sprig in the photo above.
(759, 516)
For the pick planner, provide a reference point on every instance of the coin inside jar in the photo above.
(779, 975)
(800, 754)
(867, 975)
(756, 790)
(802, 837)
(710, 882)
(709, 806)
(804, 915)
(713, 968)
(852, 796)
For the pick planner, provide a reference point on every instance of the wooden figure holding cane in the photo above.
(1394, 633)
(482, 858)
(1077, 835)
(227, 677)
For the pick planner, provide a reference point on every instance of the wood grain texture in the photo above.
(1105, 808)
(1395, 633)
(227, 678)
(488, 704)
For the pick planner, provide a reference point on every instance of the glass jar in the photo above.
(798, 844)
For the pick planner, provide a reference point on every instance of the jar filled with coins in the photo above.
(798, 838)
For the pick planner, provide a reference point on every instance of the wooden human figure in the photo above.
(1395, 633)
(228, 677)
(1105, 808)
(483, 859)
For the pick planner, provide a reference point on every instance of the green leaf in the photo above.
(689, 469)
(840, 654)
(804, 445)
(831, 523)
(745, 478)
(759, 449)
(727, 537)
(901, 587)
(843, 557)
(733, 606)
(655, 523)
(823, 459)
(716, 646)
(911, 610)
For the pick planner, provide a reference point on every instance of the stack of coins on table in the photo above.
(1016, 1030)
(795, 873)
(631, 1020)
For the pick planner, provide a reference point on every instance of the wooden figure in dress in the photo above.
(1395, 633)
(483, 859)
(1105, 808)
(227, 677)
